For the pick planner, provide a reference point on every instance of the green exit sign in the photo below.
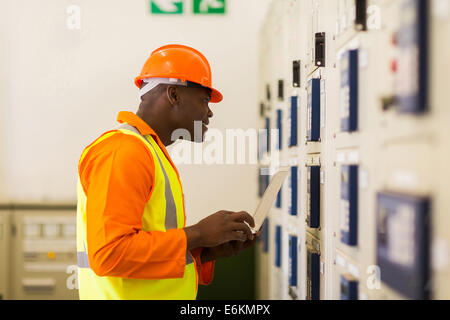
(209, 6)
(177, 6)
(166, 6)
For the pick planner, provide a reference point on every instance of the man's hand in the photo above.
(219, 228)
(228, 249)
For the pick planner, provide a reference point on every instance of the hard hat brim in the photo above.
(216, 96)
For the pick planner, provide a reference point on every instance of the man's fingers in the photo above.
(244, 228)
(243, 216)
(238, 236)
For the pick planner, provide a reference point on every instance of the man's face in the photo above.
(194, 107)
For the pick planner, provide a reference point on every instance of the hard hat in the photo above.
(180, 62)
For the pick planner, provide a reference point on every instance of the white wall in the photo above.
(63, 88)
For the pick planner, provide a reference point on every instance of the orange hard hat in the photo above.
(180, 62)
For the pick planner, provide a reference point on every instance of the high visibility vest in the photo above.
(163, 211)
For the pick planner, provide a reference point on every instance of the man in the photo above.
(132, 242)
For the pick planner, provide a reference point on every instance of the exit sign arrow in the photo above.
(209, 6)
(166, 6)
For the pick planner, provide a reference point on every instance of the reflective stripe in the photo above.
(171, 210)
(82, 259)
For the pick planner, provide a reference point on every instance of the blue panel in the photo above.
(261, 182)
(313, 109)
(349, 205)
(293, 139)
(278, 201)
(278, 246)
(262, 144)
(293, 249)
(280, 128)
(313, 275)
(349, 91)
(268, 133)
(403, 243)
(412, 73)
(293, 183)
(349, 289)
(313, 197)
(264, 237)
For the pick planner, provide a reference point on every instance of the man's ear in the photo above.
(173, 95)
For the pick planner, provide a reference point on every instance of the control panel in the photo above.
(363, 113)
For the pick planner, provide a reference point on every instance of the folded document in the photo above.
(268, 198)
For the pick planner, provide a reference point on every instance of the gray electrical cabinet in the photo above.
(43, 253)
(4, 253)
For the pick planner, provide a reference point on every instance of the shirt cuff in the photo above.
(205, 270)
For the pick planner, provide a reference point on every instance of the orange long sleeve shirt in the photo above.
(117, 175)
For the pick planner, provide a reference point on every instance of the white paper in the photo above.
(268, 198)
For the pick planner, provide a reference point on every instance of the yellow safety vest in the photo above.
(163, 211)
